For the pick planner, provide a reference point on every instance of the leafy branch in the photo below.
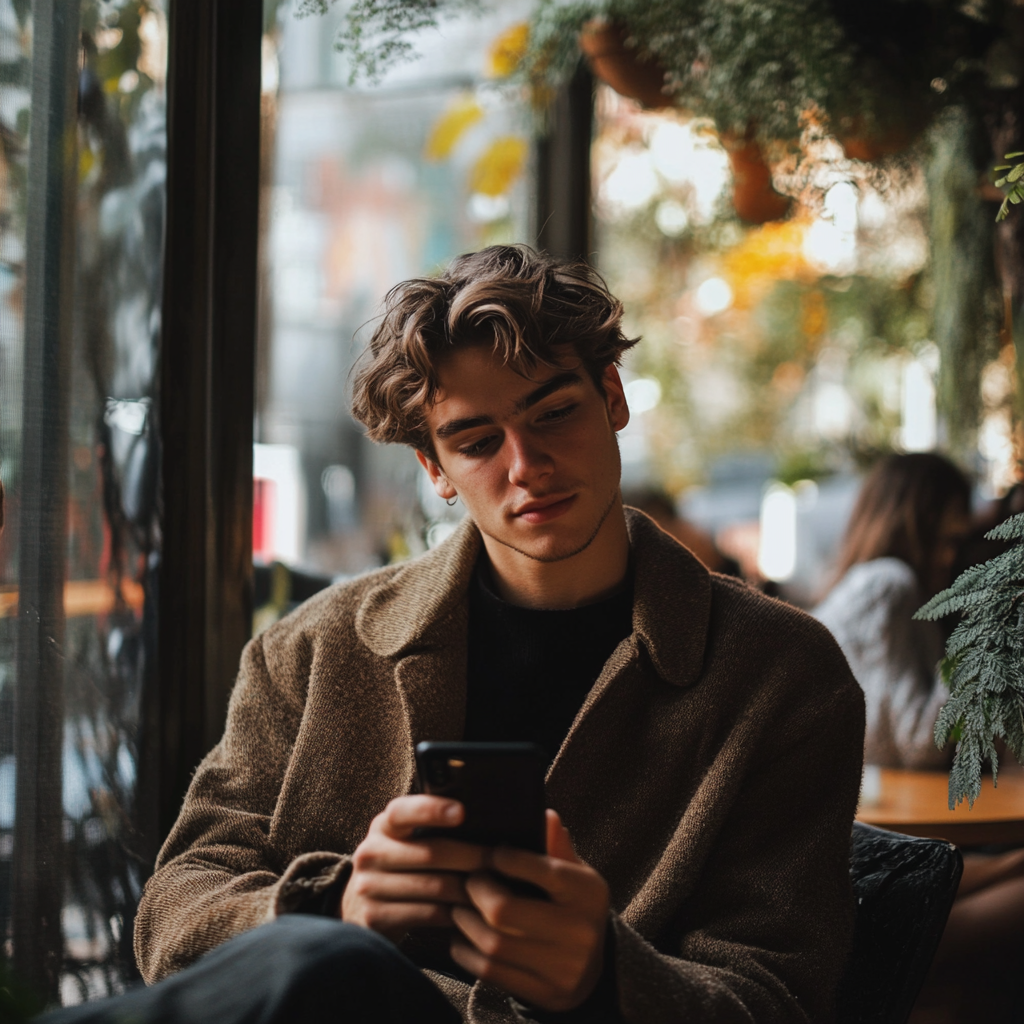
(376, 33)
(1015, 179)
(985, 661)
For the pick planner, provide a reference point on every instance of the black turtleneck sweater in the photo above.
(530, 669)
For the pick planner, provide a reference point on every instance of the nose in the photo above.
(528, 463)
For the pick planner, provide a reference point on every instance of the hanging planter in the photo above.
(867, 140)
(870, 148)
(753, 197)
(620, 66)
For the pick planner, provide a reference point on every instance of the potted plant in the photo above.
(614, 62)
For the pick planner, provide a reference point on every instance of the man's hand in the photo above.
(398, 882)
(547, 954)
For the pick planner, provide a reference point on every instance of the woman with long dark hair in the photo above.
(901, 542)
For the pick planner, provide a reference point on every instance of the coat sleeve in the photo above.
(217, 874)
(766, 934)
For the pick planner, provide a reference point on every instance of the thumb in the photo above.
(559, 841)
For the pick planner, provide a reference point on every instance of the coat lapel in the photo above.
(671, 615)
(418, 620)
(432, 684)
(607, 779)
(671, 603)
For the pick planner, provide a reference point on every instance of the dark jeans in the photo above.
(299, 969)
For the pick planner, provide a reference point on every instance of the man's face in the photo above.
(534, 459)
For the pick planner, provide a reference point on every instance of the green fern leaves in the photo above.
(985, 662)
(1015, 179)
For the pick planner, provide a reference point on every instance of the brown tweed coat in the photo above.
(711, 777)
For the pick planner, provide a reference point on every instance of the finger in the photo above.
(397, 918)
(559, 842)
(515, 980)
(411, 887)
(382, 853)
(558, 960)
(564, 881)
(510, 949)
(511, 914)
(407, 813)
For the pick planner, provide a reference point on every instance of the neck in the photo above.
(586, 577)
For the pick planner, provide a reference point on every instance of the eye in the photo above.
(561, 413)
(477, 447)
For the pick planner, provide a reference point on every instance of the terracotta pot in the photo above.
(863, 140)
(753, 197)
(604, 45)
(860, 146)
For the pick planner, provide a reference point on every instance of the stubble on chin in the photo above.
(560, 556)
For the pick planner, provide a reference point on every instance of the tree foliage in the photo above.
(375, 34)
(985, 662)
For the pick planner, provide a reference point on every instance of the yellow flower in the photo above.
(451, 126)
(770, 253)
(508, 50)
(498, 166)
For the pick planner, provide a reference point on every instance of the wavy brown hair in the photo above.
(532, 308)
(900, 508)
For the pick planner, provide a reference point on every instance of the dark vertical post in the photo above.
(49, 296)
(563, 217)
(207, 376)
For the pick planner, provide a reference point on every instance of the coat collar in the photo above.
(408, 609)
(671, 603)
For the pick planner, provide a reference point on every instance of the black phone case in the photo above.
(501, 786)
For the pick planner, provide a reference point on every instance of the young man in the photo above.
(705, 742)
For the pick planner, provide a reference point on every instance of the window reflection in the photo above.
(107, 568)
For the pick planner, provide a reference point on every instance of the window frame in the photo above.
(208, 352)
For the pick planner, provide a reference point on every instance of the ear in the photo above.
(615, 397)
(441, 484)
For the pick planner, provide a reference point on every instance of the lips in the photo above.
(545, 509)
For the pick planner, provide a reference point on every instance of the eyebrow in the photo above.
(563, 380)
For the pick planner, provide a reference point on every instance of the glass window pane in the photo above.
(785, 336)
(368, 185)
(91, 426)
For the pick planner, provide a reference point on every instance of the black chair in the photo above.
(904, 889)
(278, 589)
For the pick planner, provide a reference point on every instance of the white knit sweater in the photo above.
(893, 657)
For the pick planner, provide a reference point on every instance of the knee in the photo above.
(309, 943)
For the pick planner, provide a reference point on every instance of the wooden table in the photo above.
(916, 803)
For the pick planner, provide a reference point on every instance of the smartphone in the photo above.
(501, 786)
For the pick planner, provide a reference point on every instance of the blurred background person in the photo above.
(659, 506)
(900, 546)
